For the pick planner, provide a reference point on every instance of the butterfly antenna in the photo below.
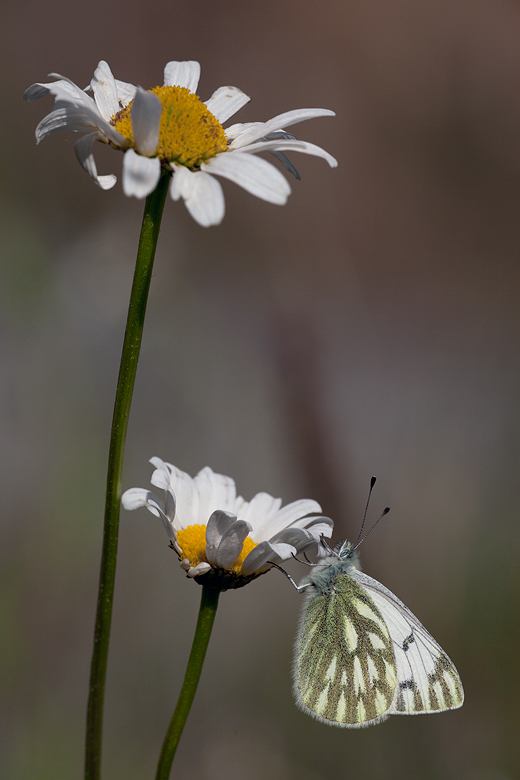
(372, 483)
(385, 512)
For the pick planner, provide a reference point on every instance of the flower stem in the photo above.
(125, 385)
(208, 609)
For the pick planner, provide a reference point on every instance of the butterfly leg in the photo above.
(299, 588)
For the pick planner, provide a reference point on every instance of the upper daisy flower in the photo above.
(221, 538)
(170, 129)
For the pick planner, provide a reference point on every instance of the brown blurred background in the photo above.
(370, 326)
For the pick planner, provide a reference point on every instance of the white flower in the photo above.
(168, 129)
(219, 535)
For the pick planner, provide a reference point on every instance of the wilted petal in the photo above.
(287, 164)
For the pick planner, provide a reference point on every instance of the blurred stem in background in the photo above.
(207, 612)
(125, 386)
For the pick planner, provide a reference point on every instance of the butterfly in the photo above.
(360, 654)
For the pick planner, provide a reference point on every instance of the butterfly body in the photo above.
(361, 655)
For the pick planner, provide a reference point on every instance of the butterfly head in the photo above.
(346, 551)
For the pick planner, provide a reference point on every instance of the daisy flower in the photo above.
(220, 538)
(169, 129)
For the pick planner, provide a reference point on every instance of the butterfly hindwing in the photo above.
(345, 669)
(427, 679)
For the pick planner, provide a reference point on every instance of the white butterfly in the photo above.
(361, 655)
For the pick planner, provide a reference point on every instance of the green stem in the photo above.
(125, 385)
(208, 609)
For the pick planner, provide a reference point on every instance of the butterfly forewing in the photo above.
(428, 680)
(345, 671)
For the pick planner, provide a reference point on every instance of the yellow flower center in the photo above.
(188, 133)
(192, 541)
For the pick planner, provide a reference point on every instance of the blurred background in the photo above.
(370, 326)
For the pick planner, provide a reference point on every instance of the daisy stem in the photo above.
(208, 609)
(125, 385)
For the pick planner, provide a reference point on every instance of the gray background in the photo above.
(370, 326)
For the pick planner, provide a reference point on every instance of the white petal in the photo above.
(232, 543)
(140, 174)
(105, 91)
(146, 118)
(169, 505)
(299, 538)
(81, 117)
(68, 94)
(61, 119)
(182, 74)
(201, 568)
(215, 491)
(225, 102)
(260, 509)
(287, 119)
(317, 525)
(83, 149)
(138, 497)
(292, 514)
(187, 498)
(125, 92)
(282, 551)
(202, 195)
(161, 475)
(321, 529)
(255, 175)
(296, 146)
(262, 554)
(234, 130)
(218, 524)
(63, 89)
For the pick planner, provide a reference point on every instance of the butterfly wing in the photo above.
(345, 670)
(427, 679)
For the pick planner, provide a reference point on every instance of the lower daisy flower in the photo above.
(170, 129)
(220, 538)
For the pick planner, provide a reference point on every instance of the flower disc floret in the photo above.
(189, 134)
